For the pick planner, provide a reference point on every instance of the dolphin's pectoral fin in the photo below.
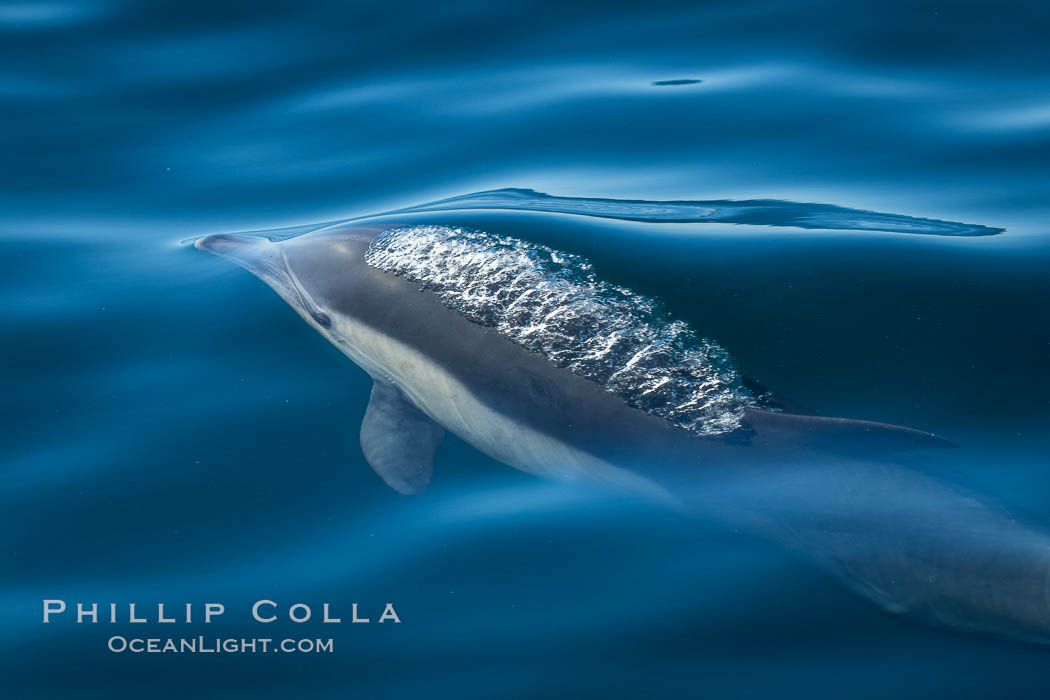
(399, 440)
(839, 435)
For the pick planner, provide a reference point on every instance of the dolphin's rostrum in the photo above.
(523, 353)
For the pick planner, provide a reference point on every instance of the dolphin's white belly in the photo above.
(451, 404)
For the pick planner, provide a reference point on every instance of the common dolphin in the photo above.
(518, 350)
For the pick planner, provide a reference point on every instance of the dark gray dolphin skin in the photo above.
(900, 539)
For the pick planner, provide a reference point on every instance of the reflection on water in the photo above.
(172, 432)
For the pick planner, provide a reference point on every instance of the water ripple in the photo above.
(675, 82)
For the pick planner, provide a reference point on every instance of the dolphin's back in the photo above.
(552, 303)
(528, 389)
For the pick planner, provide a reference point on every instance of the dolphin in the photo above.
(507, 346)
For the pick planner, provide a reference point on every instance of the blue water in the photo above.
(852, 198)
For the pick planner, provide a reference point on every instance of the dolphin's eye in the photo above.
(322, 319)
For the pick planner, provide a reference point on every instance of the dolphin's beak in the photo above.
(231, 246)
(257, 255)
(264, 259)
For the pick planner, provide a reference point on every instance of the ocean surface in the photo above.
(853, 199)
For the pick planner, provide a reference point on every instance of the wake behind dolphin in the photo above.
(521, 351)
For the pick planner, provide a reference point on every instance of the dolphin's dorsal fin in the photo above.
(399, 440)
(770, 400)
(838, 435)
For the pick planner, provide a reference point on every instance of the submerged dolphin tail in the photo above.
(915, 546)
(909, 543)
